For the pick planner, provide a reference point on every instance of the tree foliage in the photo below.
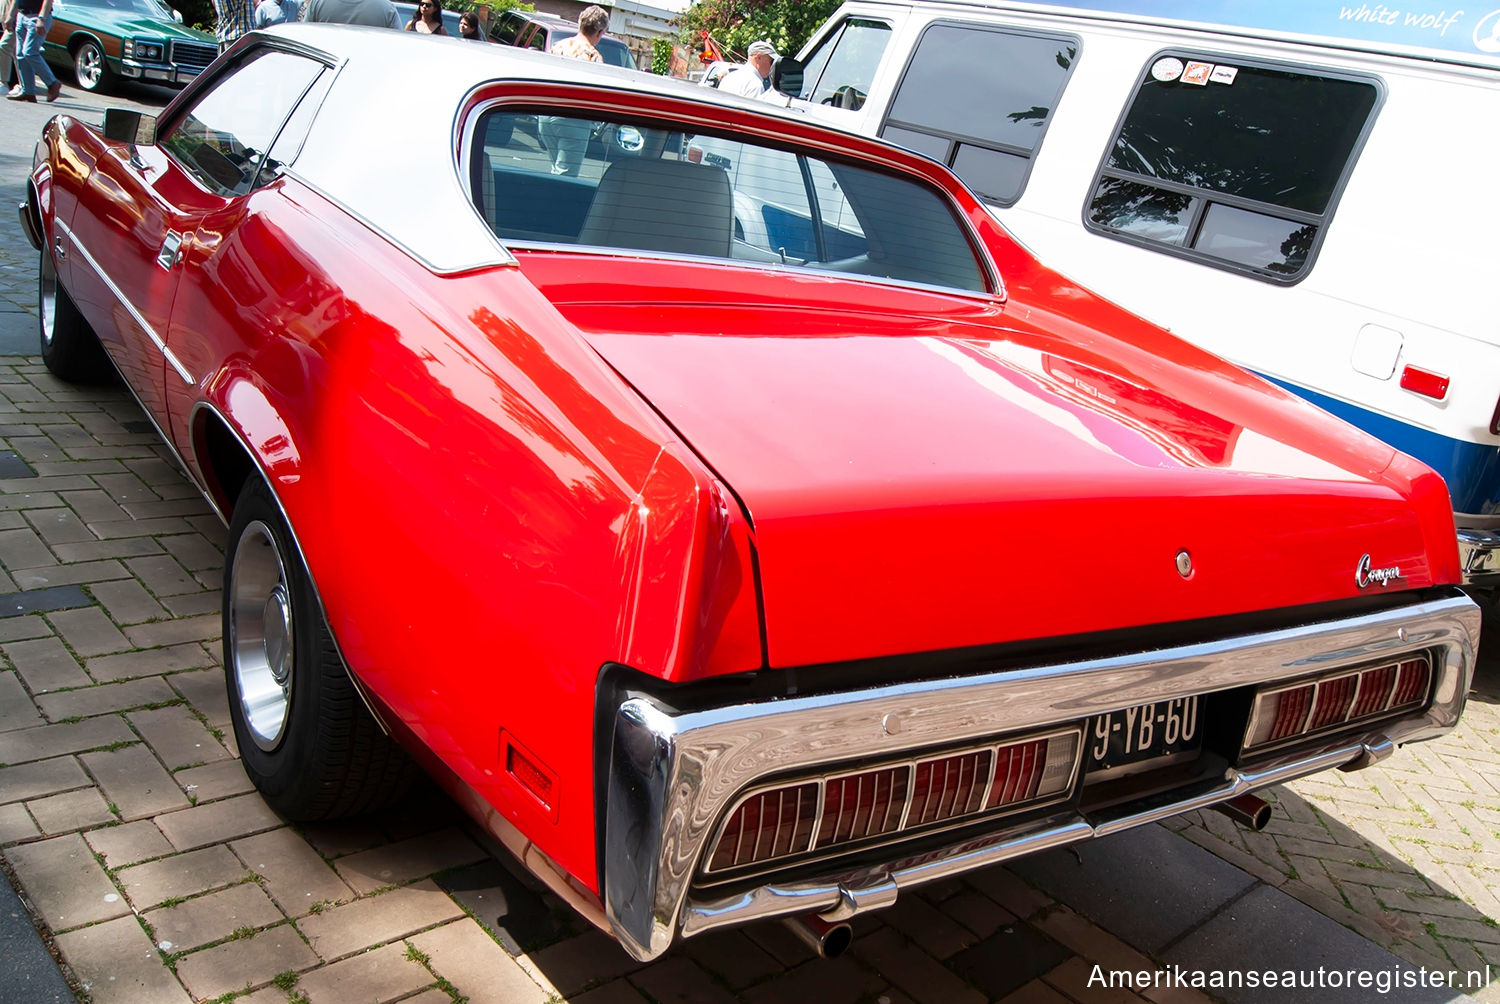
(661, 56)
(734, 24)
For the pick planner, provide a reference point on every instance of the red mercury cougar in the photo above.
(725, 509)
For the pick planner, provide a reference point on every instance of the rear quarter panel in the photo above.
(461, 471)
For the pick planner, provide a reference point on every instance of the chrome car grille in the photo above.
(198, 54)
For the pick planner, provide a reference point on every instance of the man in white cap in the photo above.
(754, 78)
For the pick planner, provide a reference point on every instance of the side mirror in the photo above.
(786, 76)
(126, 126)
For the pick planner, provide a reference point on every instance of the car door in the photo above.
(141, 215)
(120, 242)
(232, 145)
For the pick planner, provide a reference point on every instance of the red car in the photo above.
(735, 537)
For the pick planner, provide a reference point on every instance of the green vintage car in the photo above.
(104, 40)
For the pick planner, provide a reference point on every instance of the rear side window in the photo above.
(838, 72)
(1233, 164)
(508, 27)
(979, 100)
(223, 138)
(634, 186)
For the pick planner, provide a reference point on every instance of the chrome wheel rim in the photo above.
(261, 643)
(47, 297)
(90, 67)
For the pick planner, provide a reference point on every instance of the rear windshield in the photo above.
(635, 186)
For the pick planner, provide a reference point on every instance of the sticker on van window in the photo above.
(1166, 69)
(1197, 73)
(1224, 74)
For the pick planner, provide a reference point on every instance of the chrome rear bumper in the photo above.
(673, 774)
(29, 225)
(1479, 556)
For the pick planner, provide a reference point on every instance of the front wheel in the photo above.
(305, 738)
(70, 349)
(91, 68)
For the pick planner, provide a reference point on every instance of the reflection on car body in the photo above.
(702, 520)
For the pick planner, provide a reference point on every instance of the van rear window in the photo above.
(1232, 163)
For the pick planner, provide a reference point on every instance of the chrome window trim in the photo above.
(672, 773)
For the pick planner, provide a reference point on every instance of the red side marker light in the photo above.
(524, 766)
(1424, 382)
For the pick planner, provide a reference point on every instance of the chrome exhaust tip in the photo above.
(828, 939)
(1247, 810)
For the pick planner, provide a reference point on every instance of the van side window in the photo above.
(838, 72)
(979, 99)
(1232, 164)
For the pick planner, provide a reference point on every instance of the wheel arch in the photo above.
(226, 462)
(80, 36)
(223, 458)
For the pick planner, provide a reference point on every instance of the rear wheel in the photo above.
(70, 349)
(305, 737)
(90, 67)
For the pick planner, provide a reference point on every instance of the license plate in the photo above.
(1134, 737)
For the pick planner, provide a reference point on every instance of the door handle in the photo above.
(171, 250)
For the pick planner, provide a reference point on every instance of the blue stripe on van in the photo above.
(1472, 470)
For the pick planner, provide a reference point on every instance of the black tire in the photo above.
(90, 68)
(69, 347)
(305, 737)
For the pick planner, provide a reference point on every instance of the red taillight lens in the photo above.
(863, 805)
(1424, 382)
(1017, 773)
(1334, 699)
(1374, 691)
(1411, 682)
(950, 787)
(1280, 714)
(768, 825)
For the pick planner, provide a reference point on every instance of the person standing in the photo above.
(568, 138)
(8, 46)
(374, 13)
(269, 12)
(427, 19)
(753, 78)
(468, 27)
(233, 19)
(33, 18)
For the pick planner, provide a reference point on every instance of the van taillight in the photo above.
(1424, 382)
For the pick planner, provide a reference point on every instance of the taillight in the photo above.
(768, 825)
(1334, 699)
(1424, 382)
(854, 807)
(863, 805)
(1348, 697)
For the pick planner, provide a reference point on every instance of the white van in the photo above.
(1311, 190)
